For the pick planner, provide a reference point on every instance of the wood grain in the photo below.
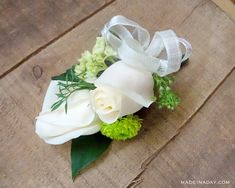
(204, 149)
(26, 161)
(228, 6)
(27, 26)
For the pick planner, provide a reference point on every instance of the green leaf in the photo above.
(185, 62)
(56, 105)
(69, 75)
(110, 60)
(99, 73)
(61, 77)
(86, 149)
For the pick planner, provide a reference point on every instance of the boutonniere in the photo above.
(96, 100)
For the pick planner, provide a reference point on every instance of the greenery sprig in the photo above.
(68, 84)
(165, 97)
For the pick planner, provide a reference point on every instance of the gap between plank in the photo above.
(138, 180)
(38, 50)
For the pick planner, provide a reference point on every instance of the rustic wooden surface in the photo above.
(26, 161)
(204, 149)
(228, 6)
(27, 27)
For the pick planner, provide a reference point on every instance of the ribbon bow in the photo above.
(162, 55)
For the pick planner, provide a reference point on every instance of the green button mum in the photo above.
(124, 128)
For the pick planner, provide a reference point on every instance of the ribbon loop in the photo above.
(162, 55)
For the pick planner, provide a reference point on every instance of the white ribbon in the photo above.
(162, 55)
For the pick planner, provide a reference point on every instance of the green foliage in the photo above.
(168, 99)
(165, 97)
(110, 60)
(185, 62)
(86, 149)
(122, 129)
(69, 75)
(68, 84)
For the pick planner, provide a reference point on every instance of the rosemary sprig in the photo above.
(68, 84)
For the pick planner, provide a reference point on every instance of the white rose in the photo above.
(57, 127)
(121, 90)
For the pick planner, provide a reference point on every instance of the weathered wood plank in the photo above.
(204, 149)
(26, 26)
(227, 6)
(212, 35)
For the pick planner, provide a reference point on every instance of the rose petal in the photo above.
(56, 135)
(106, 101)
(78, 115)
(110, 117)
(135, 83)
(129, 106)
(51, 97)
(58, 127)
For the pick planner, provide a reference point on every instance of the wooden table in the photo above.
(39, 39)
